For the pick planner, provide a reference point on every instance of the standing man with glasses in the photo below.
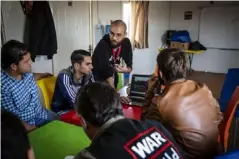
(112, 55)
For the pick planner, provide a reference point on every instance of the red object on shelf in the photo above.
(129, 111)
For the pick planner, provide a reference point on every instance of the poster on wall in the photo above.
(107, 29)
(188, 15)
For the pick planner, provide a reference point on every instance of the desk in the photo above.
(190, 54)
(57, 140)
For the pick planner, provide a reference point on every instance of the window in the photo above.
(135, 15)
(126, 16)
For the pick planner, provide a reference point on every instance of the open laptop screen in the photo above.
(139, 85)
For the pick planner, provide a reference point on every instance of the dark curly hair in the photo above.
(97, 103)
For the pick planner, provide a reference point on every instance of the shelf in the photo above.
(189, 51)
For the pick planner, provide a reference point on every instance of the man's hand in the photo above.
(29, 127)
(152, 82)
(155, 100)
(125, 100)
(123, 69)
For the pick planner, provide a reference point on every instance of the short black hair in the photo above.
(97, 103)
(15, 142)
(12, 52)
(77, 56)
(120, 22)
(173, 64)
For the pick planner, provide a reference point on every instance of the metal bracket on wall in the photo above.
(3, 36)
(90, 49)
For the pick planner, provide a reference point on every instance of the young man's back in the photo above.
(14, 140)
(192, 114)
(127, 138)
(186, 108)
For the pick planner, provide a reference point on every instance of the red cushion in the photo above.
(129, 111)
(71, 117)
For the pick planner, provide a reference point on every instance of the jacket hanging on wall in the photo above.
(40, 33)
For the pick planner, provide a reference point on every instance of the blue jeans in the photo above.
(50, 117)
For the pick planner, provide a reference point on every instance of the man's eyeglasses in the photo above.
(117, 35)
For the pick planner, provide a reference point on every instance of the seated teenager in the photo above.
(116, 137)
(70, 80)
(187, 108)
(19, 93)
(14, 140)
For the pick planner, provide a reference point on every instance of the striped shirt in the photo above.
(66, 89)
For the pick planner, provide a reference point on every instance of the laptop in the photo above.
(138, 89)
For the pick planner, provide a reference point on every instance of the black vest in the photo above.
(127, 139)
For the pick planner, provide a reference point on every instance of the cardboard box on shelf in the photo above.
(174, 44)
(179, 45)
(184, 46)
